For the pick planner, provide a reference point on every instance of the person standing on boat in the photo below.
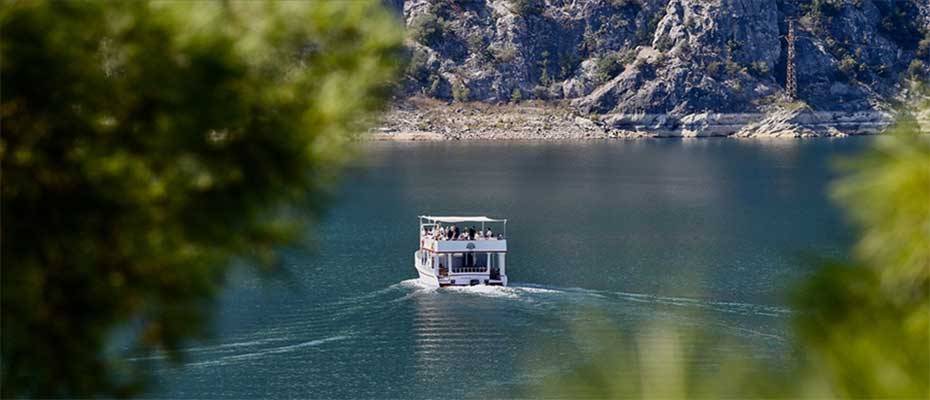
(471, 233)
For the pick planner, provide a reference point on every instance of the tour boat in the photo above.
(476, 257)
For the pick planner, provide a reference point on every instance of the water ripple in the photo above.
(259, 354)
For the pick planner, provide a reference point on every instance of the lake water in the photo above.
(613, 238)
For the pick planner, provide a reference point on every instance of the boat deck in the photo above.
(447, 257)
(459, 246)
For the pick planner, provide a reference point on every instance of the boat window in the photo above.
(458, 260)
(480, 260)
(470, 259)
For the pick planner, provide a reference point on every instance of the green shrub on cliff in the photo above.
(476, 44)
(505, 54)
(820, 10)
(849, 67)
(734, 68)
(923, 47)
(435, 85)
(917, 70)
(418, 65)
(608, 67)
(713, 68)
(460, 92)
(146, 145)
(426, 29)
(759, 69)
(543, 65)
(527, 7)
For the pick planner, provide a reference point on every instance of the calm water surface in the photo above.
(618, 236)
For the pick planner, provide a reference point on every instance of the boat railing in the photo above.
(458, 270)
(460, 239)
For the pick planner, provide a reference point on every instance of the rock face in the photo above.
(685, 69)
(677, 58)
(504, 49)
(801, 121)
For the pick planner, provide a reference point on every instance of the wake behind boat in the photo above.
(452, 256)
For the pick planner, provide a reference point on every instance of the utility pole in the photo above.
(791, 84)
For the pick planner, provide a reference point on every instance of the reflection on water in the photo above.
(468, 341)
(614, 237)
(445, 333)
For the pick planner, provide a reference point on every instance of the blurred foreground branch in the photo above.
(144, 145)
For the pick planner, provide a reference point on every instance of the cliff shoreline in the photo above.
(552, 69)
(424, 119)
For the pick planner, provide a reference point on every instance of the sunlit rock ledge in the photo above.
(435, 120)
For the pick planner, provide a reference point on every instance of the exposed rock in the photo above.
(586, 124)
(493, 50)
(801, 121)
(675, 57)
(427, 119)
(658, 68)
(676, 75)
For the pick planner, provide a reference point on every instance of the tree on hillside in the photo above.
(144, 146)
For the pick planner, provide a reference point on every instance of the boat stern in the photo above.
(472, 280)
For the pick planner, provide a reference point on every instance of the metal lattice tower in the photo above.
(791, 83)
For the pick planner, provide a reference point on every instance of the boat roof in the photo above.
(457, 219)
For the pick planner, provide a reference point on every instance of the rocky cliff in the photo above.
(659, 64)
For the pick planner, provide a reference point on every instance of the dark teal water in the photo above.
(615, 237)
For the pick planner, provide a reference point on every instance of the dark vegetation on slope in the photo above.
(666, 56)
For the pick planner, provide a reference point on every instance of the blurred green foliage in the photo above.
(147, 144)
(861, 328)
(653, 364)
(866, 328)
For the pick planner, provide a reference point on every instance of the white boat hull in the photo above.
(429, 278)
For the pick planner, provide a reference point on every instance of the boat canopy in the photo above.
(459, 219)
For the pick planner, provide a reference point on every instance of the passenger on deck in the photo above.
(471, 233)
(488, 234)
